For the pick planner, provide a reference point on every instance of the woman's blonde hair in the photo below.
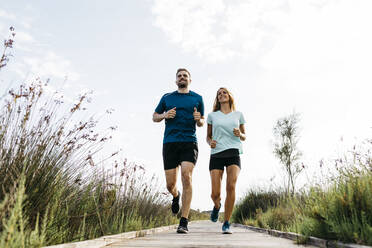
(217, 104)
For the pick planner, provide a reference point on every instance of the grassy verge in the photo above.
(340, 210)
(53, 190)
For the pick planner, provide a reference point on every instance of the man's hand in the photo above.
(236, 132)
(170, 114)
(213, 144)
(197, 115)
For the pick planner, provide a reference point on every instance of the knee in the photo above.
(230, 187)
(216, 196)
(186, 180)
(170, 186)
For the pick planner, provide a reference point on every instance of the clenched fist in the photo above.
(170, 114)
(236, 132)
(213, 144)
(197, 115)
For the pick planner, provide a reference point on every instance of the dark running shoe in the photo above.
(226, 228)
(182, 228)
(176, 203)
(214, 213)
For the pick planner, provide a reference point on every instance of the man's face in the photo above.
(183, 79)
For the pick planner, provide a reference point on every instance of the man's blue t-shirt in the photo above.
(182, 127)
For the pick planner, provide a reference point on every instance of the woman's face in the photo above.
(222, 96)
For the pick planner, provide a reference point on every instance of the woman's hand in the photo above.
(213, 144)
(236, 132)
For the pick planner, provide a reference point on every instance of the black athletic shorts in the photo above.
(176, 152)
(218, 161)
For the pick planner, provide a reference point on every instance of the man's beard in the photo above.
(182, 85)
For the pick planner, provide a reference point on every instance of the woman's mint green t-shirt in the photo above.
(223, 130)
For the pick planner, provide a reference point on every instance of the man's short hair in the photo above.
(183, 69)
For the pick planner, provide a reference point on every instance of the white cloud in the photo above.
(26, 24)
(6, 15)
(324, 52)
(51, 65)
(32, 57)
(190, 23)
(321, 66)
(221, 30)
(24, 37)
(314, 57)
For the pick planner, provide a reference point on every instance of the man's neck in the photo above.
(225, 108)
(183, 90)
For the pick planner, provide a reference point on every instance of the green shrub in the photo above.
(344, 212)
(246, 208)
(279, 218)
(14, 232)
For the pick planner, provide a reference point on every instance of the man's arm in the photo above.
(200, 122)
(198, 118)
(158, 117)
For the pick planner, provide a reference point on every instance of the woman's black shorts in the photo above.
(226, 158)
(176, 152)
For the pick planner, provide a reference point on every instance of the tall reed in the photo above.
(53, 189)
(64, 188)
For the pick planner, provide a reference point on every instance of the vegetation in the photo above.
(53, 189)
(339, 210)
(253, 203)
(286, 133)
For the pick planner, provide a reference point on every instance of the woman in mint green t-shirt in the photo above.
(224, 135)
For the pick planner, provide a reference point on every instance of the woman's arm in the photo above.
(242, 132)
(212, 143)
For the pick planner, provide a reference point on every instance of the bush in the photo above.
(279, 218)
(247, 207)
(344, 212)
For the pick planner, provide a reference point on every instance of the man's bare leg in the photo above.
(171, 179)
(186, 173)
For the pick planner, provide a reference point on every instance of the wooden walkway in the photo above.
(206, 234)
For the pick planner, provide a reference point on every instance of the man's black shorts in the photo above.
(226, 158)
(176, 152)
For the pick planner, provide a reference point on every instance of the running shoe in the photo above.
(214, 213)
(182, 228)
(226, 228)
(176, 203)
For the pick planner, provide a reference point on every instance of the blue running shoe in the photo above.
(226, 228)
(214, 213)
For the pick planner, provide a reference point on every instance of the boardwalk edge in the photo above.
(298, 237)
(107, 240)
(110, 239)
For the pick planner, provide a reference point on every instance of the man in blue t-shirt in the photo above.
(181, 109)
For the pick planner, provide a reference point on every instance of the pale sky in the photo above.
(276, 56)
